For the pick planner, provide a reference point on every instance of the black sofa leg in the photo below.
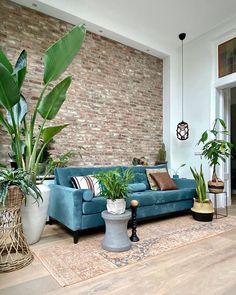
(50, 220)
(76, 236)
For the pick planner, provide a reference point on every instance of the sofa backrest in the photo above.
(140, 173)
(63, 175)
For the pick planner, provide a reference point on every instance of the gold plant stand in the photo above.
(14, 249)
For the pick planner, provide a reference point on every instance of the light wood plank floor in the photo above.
(205, 267)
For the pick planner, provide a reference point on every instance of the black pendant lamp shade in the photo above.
(182, 130)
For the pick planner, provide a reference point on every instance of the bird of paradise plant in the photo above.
(26, 141)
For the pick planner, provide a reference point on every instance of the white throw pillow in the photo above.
(86, 182)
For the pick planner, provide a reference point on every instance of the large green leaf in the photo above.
(19, 111)
(4, 60)
(49, 132)
(20, 68)
(60, 54)
(5, 124)
(9, 91)
(50, 104)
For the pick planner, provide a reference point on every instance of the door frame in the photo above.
(221, 103)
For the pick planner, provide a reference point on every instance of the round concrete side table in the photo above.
(116, 238)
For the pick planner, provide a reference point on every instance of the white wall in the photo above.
(200, 78)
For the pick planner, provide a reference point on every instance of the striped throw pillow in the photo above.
(86, 182)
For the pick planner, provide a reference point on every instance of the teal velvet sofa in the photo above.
(69, 205)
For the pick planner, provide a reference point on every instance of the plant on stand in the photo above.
(215, 149)
(15, 186)
(114, 187)
(20, 179)
(202, 208)
(29, 138)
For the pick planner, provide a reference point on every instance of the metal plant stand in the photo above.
(14, 249)
(215, 203)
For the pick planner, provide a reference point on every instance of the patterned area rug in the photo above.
(69, 263)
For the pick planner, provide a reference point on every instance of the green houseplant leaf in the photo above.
(4, 60)
(60, 54)
(49, 132)
(5, 124)
(51, 103)
(9, 91)
(20, 68)
(19, 111)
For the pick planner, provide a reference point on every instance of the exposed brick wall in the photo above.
(114, 105)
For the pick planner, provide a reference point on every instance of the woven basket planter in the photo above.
(216, 186)
(14, 249)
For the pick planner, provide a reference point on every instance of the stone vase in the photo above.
(117, 206)
(34, 215)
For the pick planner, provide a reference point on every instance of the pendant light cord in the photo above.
(182, 80)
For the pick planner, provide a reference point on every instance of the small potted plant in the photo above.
(161, 157)
(215, 150)
(114, 187)
(202, 208)
(175, 172)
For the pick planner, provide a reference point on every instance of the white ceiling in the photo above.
(149, 24)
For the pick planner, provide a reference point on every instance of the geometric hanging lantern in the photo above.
(182, 131)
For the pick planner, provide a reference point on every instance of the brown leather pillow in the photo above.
(164, 181)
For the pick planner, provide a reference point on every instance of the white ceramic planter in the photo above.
(117, 206)
(34, 215)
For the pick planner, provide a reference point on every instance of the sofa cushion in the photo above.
(96, 205)
(163, 181)
(137, 187)
(145, 198)
(87, 195)
(86, 182)
(150, 197)
(140, 173)
(153, 184)
(63, 175)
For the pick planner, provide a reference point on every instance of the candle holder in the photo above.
(134, 205)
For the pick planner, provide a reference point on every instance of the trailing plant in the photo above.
(21, 179)
(28, 143)
(200, 184)
(215, 149)
(177, 170)
(114, 184)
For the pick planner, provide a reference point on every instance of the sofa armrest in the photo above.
(185, 183)
(66, 205)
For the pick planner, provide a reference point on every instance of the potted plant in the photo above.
(114, 187)
(215, 150)
(59, 161)
(202, 208)
(161, 157)
(175, 172)
(29, 137)
(17, 179)
(15, 186)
